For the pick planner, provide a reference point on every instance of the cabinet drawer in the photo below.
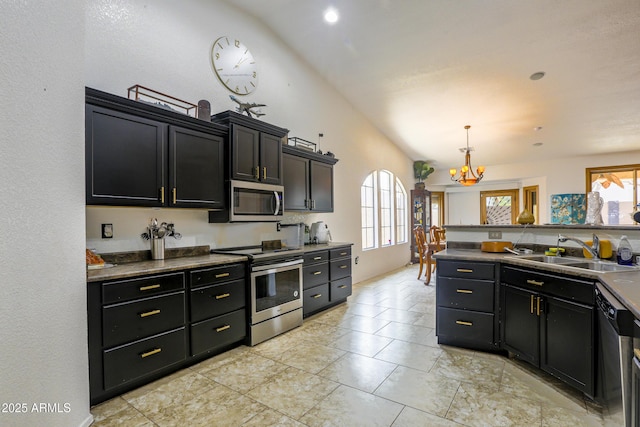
(314, 275)
(464, 325)
(210, 276)
(215, 300)
(316, 257)
(130, 321)
(466, 269)
(135, 360)
(465, 294)
(340, 253)
(340, 289)
(315, 298)
(565, 287)
(340, 268)
(218, 332)
(125, 290)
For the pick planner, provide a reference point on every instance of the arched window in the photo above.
(384, 210)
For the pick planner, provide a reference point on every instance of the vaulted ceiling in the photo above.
(421, 70)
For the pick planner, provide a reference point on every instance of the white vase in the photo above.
(594, 209)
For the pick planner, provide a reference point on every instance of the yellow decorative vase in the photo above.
(525, 217)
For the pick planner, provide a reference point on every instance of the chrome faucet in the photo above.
(593, 249)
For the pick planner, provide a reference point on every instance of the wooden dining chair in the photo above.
(421, 247)
(437, 242)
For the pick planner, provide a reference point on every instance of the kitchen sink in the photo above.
(552, 259)
(575, 262)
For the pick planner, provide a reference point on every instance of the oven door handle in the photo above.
(277, 197)
(278, 265)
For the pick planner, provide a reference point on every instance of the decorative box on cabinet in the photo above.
(548, 320)
(466, 300)
(138, 154)
(326, 279)
(218, 317)
(420, 215)
(136, 332)
(256, 148)
(308, 180)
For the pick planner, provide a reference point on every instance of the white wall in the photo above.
(553, 176)
(165, 45)
(43, 338)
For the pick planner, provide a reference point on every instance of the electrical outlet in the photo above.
(357, 259)
(107, 231)
(495, 234)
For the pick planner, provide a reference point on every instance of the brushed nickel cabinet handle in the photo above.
(535, 282)
(463, 323)
(464, 291)
(218, 276)
(344, 266)
(315, 273)
(148, 288)
(223, 328)
(222, 296)
(342, 286)
(317, 296)
(150, 353)
(174, 192)
(532, 298)
(162, 195)
(264, 173)
(464, 270)
(343, 253)
(316, 258)
(538, 310)
(150, 313)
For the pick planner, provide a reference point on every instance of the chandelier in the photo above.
(467, 177)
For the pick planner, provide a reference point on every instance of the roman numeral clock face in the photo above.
(234, 65)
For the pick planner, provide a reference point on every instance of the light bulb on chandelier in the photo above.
(467, 177)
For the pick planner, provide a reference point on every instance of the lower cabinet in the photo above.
(143, 328)
(466, 303)
(326, 279)
(549, 321)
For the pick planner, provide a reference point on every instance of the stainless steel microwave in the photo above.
(255, 201)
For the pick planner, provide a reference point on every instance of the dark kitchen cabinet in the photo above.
(143, 328)
(466, 304)
(549, 321)
(256, 148)
(138, 154)
(326, 279)
(308, 180)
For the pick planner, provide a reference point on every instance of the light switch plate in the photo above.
(107, 231)
(495, 234)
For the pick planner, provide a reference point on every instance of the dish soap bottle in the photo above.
(624, 254)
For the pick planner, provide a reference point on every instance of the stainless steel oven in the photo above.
(275, 290)
(254, 201)
(276, 298)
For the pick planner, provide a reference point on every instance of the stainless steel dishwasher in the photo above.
(615, 353)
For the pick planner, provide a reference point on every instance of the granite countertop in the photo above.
(141, 268)
(132, 269)
(624, 285)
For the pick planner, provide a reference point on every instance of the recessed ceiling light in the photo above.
(331, 15)
(537, 76)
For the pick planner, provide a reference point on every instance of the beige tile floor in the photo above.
(373, 361)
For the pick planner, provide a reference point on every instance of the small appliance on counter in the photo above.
(319, 233)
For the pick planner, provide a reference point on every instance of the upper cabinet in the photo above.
(138, 154)
(308, 180)
(256, 148)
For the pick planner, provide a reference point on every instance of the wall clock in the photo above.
(234, 65)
